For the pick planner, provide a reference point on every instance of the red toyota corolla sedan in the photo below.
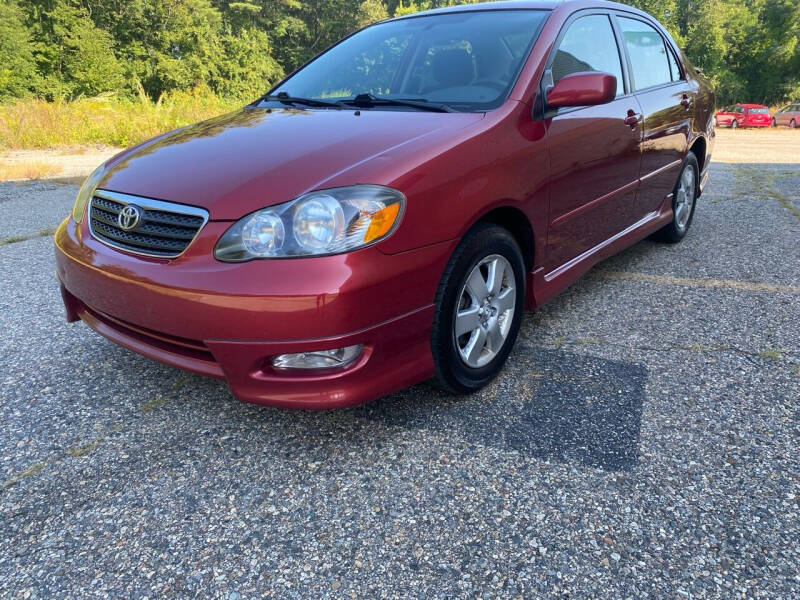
(743, 115)
(387, 212)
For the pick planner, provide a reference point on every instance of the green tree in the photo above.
(18, 74)
(409, 8)
(371, 11)
(750, 49)
(247, 68)
(73, 56)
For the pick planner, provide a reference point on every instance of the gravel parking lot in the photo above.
(641, 443)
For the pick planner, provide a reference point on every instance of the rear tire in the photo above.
(684, 201)
(793, 124)
(481, 297)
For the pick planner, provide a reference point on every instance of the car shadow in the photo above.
(547, 404)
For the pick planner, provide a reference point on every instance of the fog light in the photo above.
(318, 359)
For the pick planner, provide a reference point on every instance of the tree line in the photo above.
(750, 49)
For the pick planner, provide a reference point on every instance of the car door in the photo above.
(739, 115)
(789, 113)
(780, 115)
(594, 151)
(667, 99)
(729, 116)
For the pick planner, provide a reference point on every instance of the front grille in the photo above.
(163, 230)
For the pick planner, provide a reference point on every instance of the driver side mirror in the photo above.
(582, 89)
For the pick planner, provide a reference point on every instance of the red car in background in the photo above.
(743, 115)
(788, 116)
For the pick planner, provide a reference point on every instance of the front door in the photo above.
(594, 151)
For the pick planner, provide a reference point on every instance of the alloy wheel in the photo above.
(485, 311)
(684, 199)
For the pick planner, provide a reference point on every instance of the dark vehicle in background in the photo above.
(743, 115)
(788, 116)
(386, 213)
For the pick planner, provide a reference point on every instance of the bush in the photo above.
(104, 120)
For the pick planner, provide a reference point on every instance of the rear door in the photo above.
(667, 99)
(793, 118)
(594, 150)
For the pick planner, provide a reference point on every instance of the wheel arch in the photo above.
(699, 148)
(517, 224)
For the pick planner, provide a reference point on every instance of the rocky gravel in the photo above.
(642, 443)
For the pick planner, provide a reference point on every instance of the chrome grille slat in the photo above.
(164, 229)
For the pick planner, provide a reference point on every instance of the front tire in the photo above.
(684, 201)
(734, 124)
(479, 307)
(793, 124)
(774, 123)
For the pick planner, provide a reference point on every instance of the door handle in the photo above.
(633, 119)
(686, 102)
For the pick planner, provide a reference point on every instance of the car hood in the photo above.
(252, 158)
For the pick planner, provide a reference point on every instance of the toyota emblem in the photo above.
(128, 218)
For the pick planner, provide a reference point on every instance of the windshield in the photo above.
(468, 61)
(759, 110)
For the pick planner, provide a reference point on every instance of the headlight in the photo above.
(86, 192)
(319, 223)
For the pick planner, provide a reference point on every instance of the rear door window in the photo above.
(648, 54)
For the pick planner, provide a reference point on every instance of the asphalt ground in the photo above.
(641, 443)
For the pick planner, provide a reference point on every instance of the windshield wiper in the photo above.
(370, 100)
(285, 98)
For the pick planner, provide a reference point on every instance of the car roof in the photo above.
(524, 4)
(743, 105)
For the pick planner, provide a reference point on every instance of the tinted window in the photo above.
(589, 45)
(647, 52)
(467, 60)
(759, 111)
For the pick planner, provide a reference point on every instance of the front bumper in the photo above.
(227, 321)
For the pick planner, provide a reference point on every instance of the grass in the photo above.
(32, 170)
(153, 404)
(85, 449)
(24, 238)
(29, 472)
(771, 354)
(105, 120)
